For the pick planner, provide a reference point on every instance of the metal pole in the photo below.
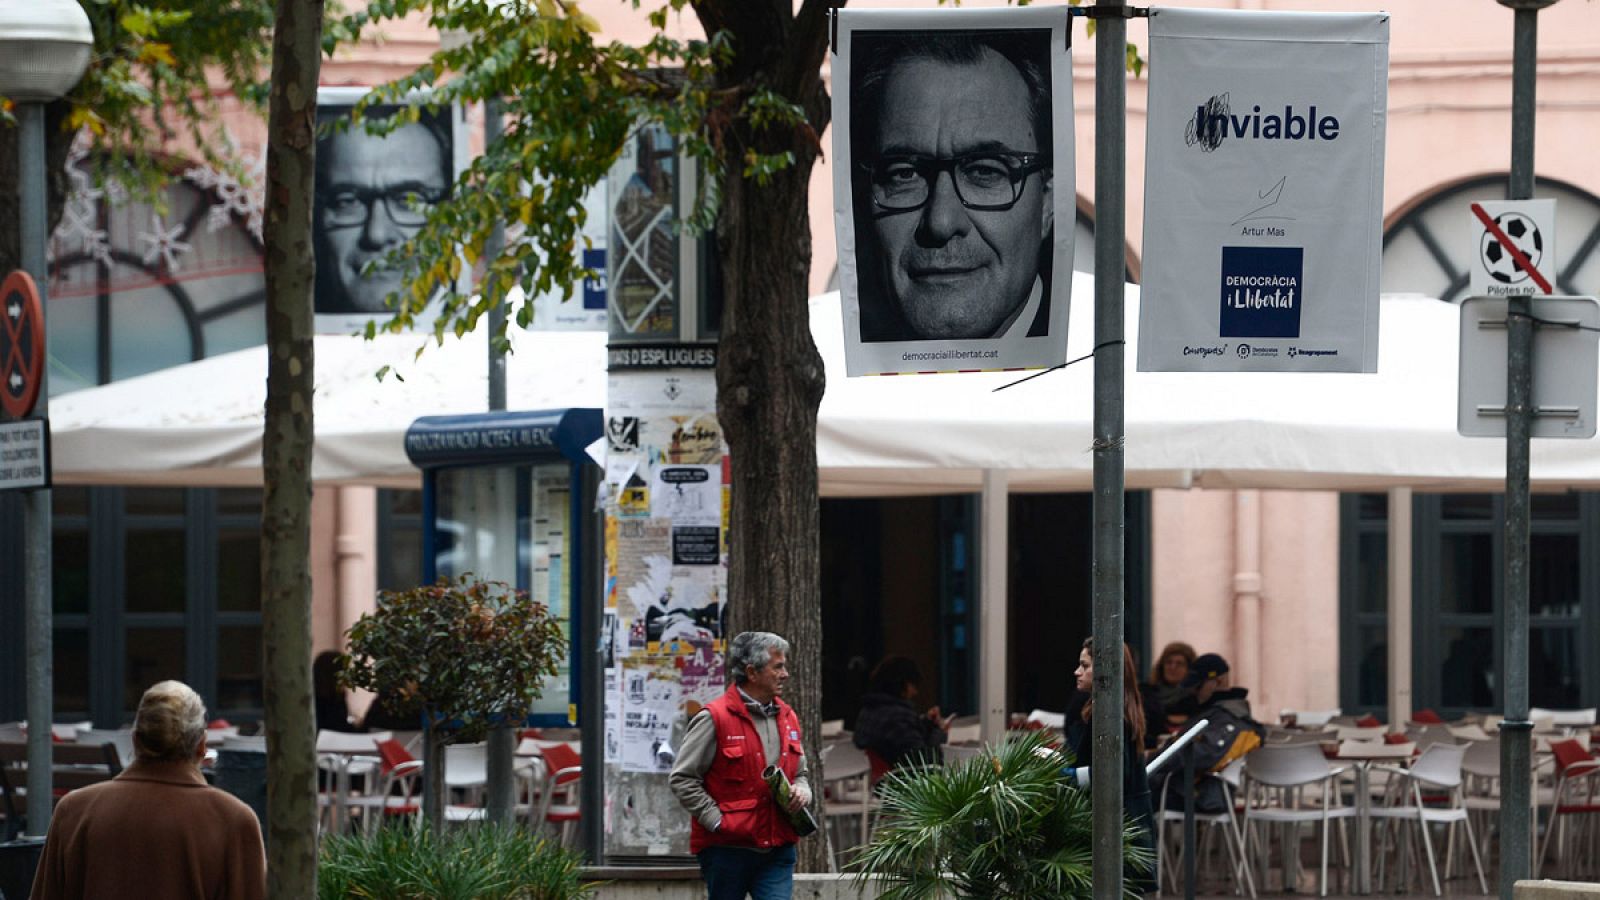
(1109, 194)
(994, 506)
(1189, 861)
(502, 739)
(591, 676)
(1516, 821)
(36, 504)
(493, 126)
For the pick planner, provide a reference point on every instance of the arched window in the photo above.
(135, 289)
(1428, 245)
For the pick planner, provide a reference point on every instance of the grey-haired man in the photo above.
(744, 842)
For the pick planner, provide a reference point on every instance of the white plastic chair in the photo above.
(1167, 858)
(1277, 780)
(1311, 718)
(1470, 731)
(1357, 733)
(970, 733)
(847, 789)
(1437, 769)
(1569, 720)
(1281, 736)
(1425, 736)
(1480, 769)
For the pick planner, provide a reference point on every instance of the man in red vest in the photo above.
(743, 840)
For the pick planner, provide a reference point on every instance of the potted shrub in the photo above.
(1001, 824)
(462, 655)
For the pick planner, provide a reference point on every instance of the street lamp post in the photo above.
(44, 49)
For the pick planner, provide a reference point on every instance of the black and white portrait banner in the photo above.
(1263, 191)
(954, 193)
(373, 193)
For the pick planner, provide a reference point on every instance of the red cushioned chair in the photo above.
(558, 801)
(1577, 792)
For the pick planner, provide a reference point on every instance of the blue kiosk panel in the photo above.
(509, 496)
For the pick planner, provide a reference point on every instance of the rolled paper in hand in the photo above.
(782, 792)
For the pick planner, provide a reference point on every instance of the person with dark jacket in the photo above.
(327, 698)
(889, 726)
(1079, 733)
(1210, 685)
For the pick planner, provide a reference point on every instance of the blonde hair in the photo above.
(171, 723)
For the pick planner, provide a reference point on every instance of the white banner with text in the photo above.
(1263, 191)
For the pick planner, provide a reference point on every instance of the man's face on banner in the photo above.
(962, 263)
(374, 195)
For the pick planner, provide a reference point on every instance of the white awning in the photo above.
(200, 424)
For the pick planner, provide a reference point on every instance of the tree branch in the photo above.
(759, 28)
(808, 42)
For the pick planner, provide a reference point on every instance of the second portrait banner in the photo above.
(954, 192)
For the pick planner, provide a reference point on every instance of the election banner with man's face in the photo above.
(1263, 191)
(954, 194)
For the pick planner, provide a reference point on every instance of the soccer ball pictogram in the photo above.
(1524, 234)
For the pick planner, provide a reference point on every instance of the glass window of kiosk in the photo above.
(512, 524)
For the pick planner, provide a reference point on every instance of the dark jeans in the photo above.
(731, 873)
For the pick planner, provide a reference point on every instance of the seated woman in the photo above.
(327, 698)
(1166, 689)
(889, 726)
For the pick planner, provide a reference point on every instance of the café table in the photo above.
(345, 753)
(1361, 755)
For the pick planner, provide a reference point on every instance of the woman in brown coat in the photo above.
(157, 830)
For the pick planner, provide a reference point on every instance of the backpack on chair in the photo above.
(1226, 738)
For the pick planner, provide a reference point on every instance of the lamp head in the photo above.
(44, 49)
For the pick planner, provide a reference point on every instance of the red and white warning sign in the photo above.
(1514, 254)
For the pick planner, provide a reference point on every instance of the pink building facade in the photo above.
(1275, 580)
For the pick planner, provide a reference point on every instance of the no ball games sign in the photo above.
(1514, 248)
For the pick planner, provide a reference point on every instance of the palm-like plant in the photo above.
(1002, 824)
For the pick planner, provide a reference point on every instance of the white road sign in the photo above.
(24, 454)
(1514, 248)
(1566, 356)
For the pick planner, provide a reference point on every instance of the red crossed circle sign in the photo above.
(21, 344)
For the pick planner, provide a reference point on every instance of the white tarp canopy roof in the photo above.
(200, 424)
(1329, 431)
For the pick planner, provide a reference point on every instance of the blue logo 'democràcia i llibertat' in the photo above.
(1262, 291)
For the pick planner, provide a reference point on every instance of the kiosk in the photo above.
(510, 496)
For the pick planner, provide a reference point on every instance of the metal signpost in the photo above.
(1565, 346)
(1516, 826)
(1110, 186)
(36, 504)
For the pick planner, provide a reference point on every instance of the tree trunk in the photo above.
(433, 789)
(286, 454)
(769, 374)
